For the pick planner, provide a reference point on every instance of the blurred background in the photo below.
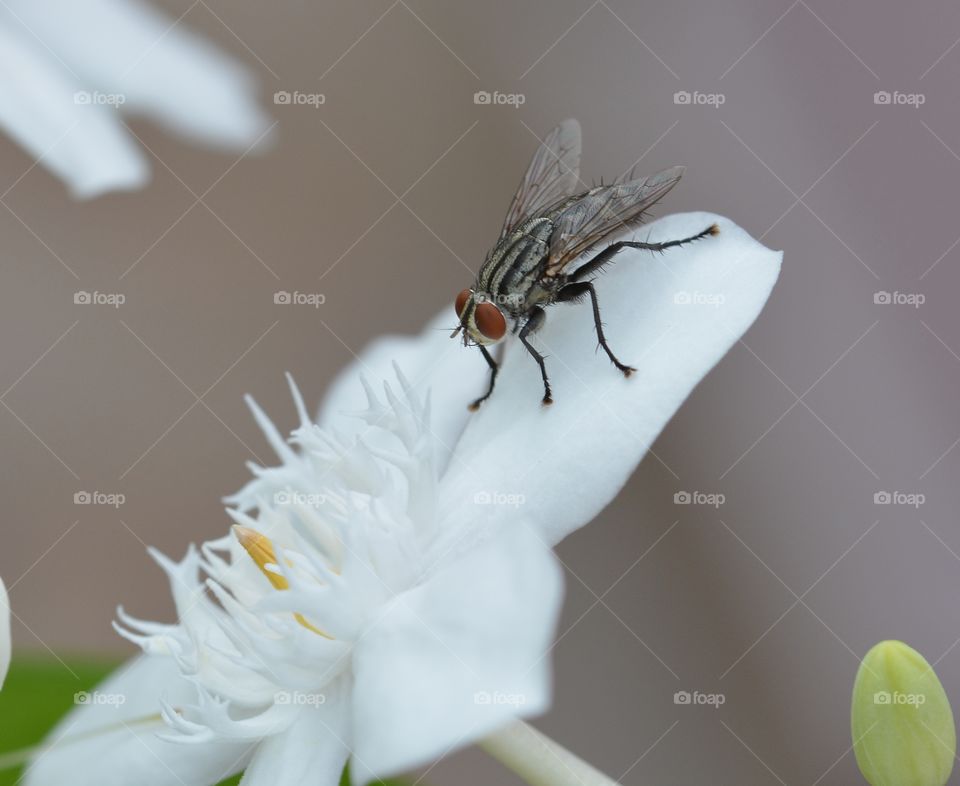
(828, 130)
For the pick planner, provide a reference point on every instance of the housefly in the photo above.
(539, 260)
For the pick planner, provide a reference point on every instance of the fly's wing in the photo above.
(601, 212)
(552, 175)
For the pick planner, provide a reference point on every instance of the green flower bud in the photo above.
(903, 732)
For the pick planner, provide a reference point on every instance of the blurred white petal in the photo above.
(70, 67)
(5, 646)
(161, 68)
(42, 108)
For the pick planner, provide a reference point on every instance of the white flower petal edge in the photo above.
(84, 145)
(5, 645)
(129, 750)
(672, 316)
(161, 69)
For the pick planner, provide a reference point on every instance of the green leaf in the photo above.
(38, 692)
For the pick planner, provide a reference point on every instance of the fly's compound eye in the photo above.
(490, 321)
(461, 301)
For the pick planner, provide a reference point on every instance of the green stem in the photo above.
(539, 760)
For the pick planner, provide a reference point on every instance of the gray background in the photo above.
(769, 599)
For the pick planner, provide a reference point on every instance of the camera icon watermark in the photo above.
(884, 298)
(685, 697)
(908, 499)
(83, 298)
(296, 98)
(711, 499)
(313, 299)
(496, 98)
(896, 98)
(484, 697)
(696, 98)
(697, 298)
(99, 498)
(306, 499)
(95, 698)
(96, 98)
(299, 699)
(512, 500)
(899, 699)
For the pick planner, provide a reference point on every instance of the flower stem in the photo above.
(539, 760)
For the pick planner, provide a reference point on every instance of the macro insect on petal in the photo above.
(539, 259)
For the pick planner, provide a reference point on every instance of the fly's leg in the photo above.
(532, 325)
(606, 256)
(573, 293)
(494, 368)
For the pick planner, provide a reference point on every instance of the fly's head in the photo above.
(481, 319)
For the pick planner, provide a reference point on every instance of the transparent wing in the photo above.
(552, 175)
(602, 211)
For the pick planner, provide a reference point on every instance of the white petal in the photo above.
(457, 657)
(313, 750)
(132, 753)
(84, 144)
(4, 633)
(431, 362)
(570, 459)
(161, 68)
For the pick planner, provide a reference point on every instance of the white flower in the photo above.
(72, 70)
(4, 633)
(388, 593)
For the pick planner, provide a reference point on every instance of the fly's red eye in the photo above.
(461, 301)
(490, 321)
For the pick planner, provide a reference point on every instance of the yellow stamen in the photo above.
(260, 549)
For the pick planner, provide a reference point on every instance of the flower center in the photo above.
(260, 549)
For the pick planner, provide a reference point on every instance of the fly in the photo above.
(549, 226)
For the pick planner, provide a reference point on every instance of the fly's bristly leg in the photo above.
(606, 256)
(494, 368)
(573, 293)
(532, 325)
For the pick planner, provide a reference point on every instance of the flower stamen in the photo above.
(260, 549)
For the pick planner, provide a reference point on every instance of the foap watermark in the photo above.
(714, 500)
(896, 98)
(696, 98)
(496, 98)
(299, 699)
(99, 498)
(512, 499)
(96, 98)
(299, 498)
(715, 700)
(898, 698)
(314, 299)
(910, 499)
(500, 698)
(84, 298)
(296, 98)
(884, 298)
(697, 298)
(95, 698)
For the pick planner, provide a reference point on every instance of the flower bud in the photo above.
(903, 732)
